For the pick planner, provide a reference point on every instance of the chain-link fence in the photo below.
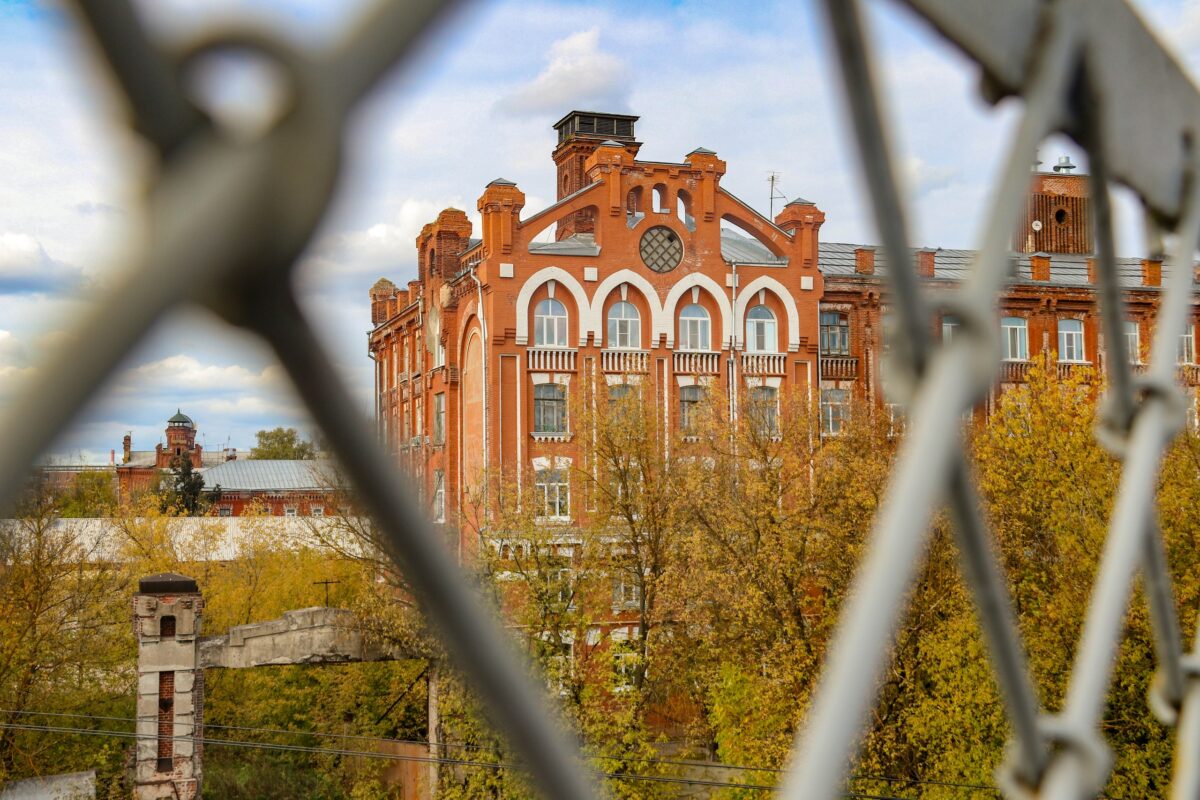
(226, 218)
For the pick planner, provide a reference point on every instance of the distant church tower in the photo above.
(170, 695)
(1058, 213)
(181, 441)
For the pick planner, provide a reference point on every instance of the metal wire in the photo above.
(226, 219)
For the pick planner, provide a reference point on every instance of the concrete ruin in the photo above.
(307, 636)
(172, 658)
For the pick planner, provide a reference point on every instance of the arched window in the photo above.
(761, 333)
(550, 324)
(694, 328)
(624, 326)
(660, 199)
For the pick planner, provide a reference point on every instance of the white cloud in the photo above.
(578, 75)
(25, 267)
(182, 374)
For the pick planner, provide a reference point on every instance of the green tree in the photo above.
(282, 444)
(92, 494)
(182, 488)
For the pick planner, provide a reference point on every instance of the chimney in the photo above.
(925, 262)
(1039, 266)
(127, 447)
(381, 292)
(112, 457)
(864, 260)
(1151, 272)
(168, 610)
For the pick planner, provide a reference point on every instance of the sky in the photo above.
(752, 81)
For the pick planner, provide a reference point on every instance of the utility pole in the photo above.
(326, 584)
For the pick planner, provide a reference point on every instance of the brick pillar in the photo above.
(170, 705)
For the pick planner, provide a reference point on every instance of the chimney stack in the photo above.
(864, 260)
(1039, 266)
(127, 448)
(1151, 272)
(926, 261)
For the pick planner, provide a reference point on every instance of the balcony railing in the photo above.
(762, 363)
(1014, 371)
(839, 367)
(624, 361)
(551, 359)
(697, 363)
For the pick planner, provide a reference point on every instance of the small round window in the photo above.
(1060, 216)
(661, 249)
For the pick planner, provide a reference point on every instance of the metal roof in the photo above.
(266, 475)
(581, 244)
(1066, 269)
(739, 249)
(182, 418)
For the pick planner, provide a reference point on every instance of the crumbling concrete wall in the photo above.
(305, 636)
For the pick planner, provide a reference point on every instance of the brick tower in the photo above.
(181, 441)
(1058, 213)
(579, 134)
(170, 695)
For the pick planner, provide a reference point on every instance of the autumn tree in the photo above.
(64, 639)
(282, 444)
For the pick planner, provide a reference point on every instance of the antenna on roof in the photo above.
(776, 192)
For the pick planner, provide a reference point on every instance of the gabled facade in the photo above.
(642, 272)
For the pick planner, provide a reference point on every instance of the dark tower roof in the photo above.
(167, 583)
(181, 418)
(595, 125)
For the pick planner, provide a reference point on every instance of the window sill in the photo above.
(553, 520)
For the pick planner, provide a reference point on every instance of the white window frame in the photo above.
(949, 326)
(1014, 333)
(1070, 341)
(439, 495)
(835, 411)
(762, 330)
(316, 511)
(695, 329)
(439, 418)
(290, 511)
(1187, 346)
(224, 511)
(550, 324)
(553, 494)
(1133, 341)
(624, 326)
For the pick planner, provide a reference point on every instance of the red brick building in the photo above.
(1050, 305)
(139, 470)
(656, 274)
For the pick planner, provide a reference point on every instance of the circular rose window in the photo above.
(661, 249)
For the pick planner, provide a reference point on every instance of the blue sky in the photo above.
(750, 81)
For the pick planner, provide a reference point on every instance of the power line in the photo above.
(465, 746)
(295, 748)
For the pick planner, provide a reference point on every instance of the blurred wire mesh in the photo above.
(226, 217)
